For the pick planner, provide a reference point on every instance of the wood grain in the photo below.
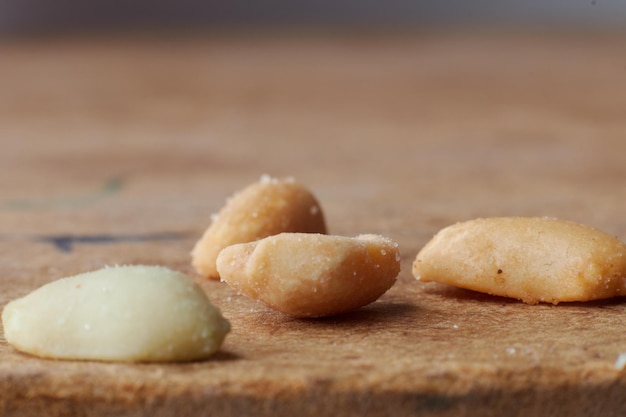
(117, 151)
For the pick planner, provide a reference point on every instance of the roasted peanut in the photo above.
(265, 208)
(312, 275)
(531, 259)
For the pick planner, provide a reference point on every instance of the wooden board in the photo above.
(117, 151)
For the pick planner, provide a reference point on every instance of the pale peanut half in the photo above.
(127, 313)
(312, 275)
(265, 208)
(535, 259)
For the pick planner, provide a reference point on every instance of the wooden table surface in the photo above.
(117, 150)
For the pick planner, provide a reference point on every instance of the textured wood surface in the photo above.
(117, 151)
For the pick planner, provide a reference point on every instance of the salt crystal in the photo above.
(620, 363)
(510, 351)
(383, 252)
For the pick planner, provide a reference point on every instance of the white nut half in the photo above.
(126, 313)
(312, 275)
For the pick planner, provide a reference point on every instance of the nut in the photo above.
(265, 208)
(130, 313)
(312, 275)
(531, 259)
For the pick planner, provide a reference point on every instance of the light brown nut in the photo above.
(129, 313)
(312, 275)
(265, 208)
(531, 259)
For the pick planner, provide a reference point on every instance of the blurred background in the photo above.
(125, 124)
(29, 16)
(484, 107)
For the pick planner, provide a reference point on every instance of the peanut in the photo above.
(265, 208)
(531, 259)
(312, 275)
(130, 313)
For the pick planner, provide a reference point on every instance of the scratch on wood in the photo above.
(65, 243)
